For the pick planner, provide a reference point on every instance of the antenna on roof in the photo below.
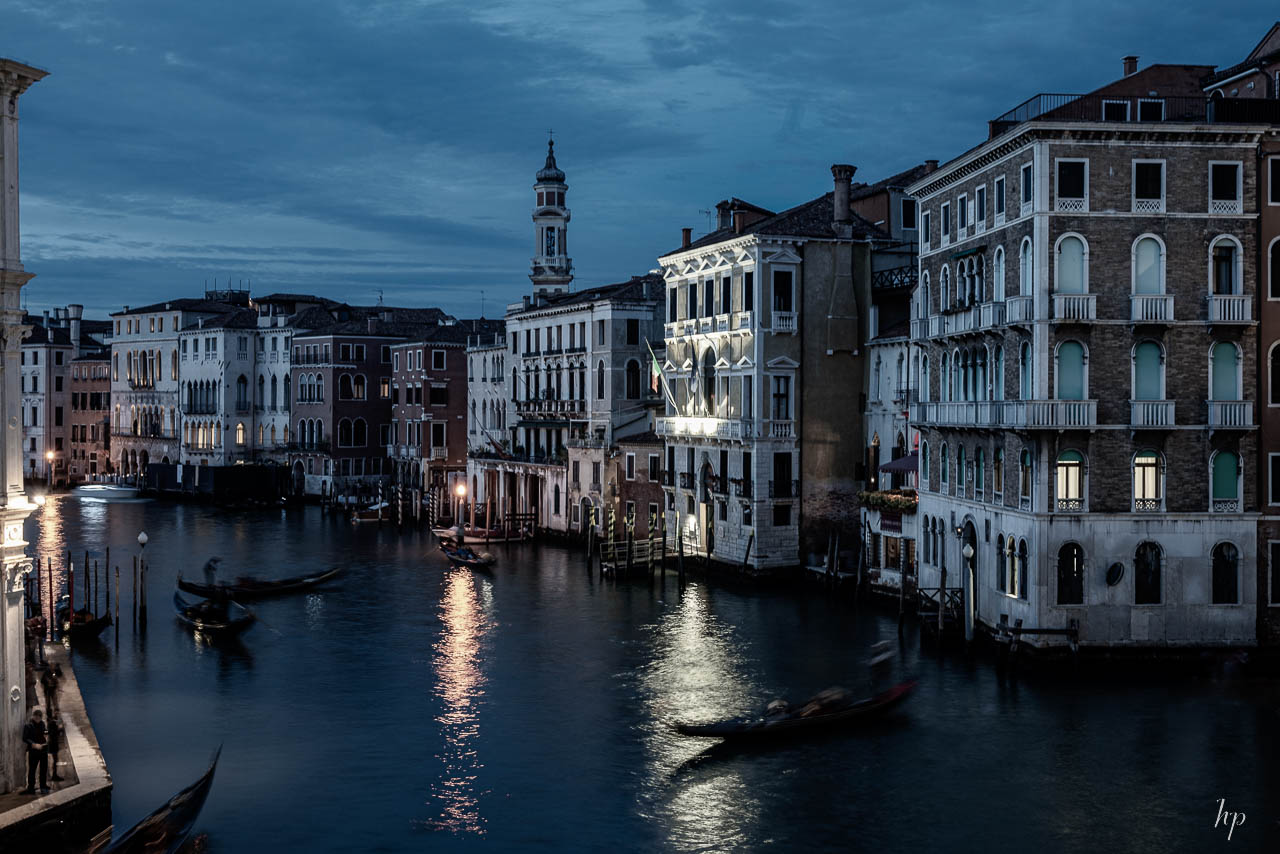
(707, 213)
(482, 302)
(379, 296)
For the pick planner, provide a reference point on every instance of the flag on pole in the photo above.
(658, 378)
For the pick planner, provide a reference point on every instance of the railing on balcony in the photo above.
(705, 324)
(1150, 413)
(919, 328)
(711, 428)
(671, 330)
(438, 453)
(595, 486)
(743, 320)
(896, 277)
(980, 413)
(1069, 308)
(686, 480)
(1225, 505)
(1150, 206)
(1151, 308)
(1147, 505)
(668, 477)
(1070, 505)
(1229, 308)
(782, 429)
(1230, 414)
(784, 489)
(718, 485)
(550, 408)
(1020, 309)
(1051, 414)
(722, 323)
(742, 488)
(784, 321)
(1068, 205)
(1225, 206)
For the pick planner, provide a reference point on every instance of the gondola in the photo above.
(82, 625)
(167, 829)
(247, 587)
(464, 556)
(373, 513)
(766, 727)
(202, 616)
(476, 536)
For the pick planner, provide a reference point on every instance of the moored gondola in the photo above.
(800, 723)
(166, 829)
(247, 587)
(211, 617)
(464, 556)
(82, 625)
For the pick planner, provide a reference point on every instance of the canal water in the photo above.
(412, 706)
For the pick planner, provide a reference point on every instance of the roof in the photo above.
(1267, 50)
(813, 218)
(900, 181)
(53, 337)
(95, 356)
(191, 304)
(285, 297)
(901, 329)
(646, 438)
(550, 173)
(632, 289)
(242, 318)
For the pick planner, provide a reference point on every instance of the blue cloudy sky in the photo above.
(347, 147)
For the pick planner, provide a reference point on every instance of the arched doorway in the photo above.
(969, 556)
(584, 518)
(299, 478)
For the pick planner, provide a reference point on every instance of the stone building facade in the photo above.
(90, 439)
(1084, 329)
(766, 322)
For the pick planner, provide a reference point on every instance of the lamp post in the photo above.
(142, 573)
(971, 612)
(461, 492)
(48, 457)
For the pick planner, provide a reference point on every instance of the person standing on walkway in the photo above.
(49, 681)
(55, 743)
(33, 735)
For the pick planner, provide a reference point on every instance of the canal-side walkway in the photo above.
(79, 806)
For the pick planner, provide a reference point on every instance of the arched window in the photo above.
(359, 433)
(600, 380)
(1224, 266)
(1225, 380)
(242, 392)
(1148, 371)
(1024, 475)
(633, 380)
(1024, 371)
(708, 381)
(944, 289)
(1225, 467)
(997, 274)
(924, 379)
(286, 397)
(239, 432)
(1070, 272)
(1273, 264)
(1071, 372)
(319, 388)
(1146, 574)
(980, 473)
(1026, 271)
(344, 388)
(1023, 568)
(1010, 554)
(1148, 481)
(1071, 575)
(1001, 575)
(944, 377)
(943, 462)
(962, 474)
(262, 390)
(1226, 574)
(357, 387)
(275, 391)
(1273, 374)
(302, 432)
(924, 465)
(924, 541)
(925, 307)
(344, 433)
(319, 431)
(997, 375)
(997, 473)
(262, 433)
(1148, 266)
(555, 499)
(1069, 481)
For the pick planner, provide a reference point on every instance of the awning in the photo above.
(903, 465)
(974, 251)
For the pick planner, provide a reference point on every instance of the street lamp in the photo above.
(461, 491)
(48, 456)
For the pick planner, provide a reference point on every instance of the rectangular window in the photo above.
(600, 333)
(1273, 168)
(1115, 111)
(633, 331)
(726, 289)
(57, 357)
(999, 191)
(395, 361)
(693, 302)
(962, 213)
(909, 214)
(437, 360)
(781, 398)
(359, 352)
(654, 462)
(437, 434)
(1073, 185)
(439, 396)
(926, 220)
(152, 324)
(980, 207)
(672, 295)
(344, 352)
(384, 388)
(709, 297)
(1273, 597)
(57, 416)
(1224, 188)
(1274, 491)
(631, 466)
(1150, 111)
(782, 291)
(749, 289)
(57, 383)
(946, 221)
(1026, 185)
(1148, 186)
(781, 515)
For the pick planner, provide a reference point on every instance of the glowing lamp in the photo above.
(142, 539)
(461, 490)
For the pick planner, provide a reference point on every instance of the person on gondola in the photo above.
(211, 570)
(33, 736)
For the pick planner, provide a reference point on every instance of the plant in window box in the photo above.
(894, 500)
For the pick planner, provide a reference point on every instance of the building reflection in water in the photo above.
(465, 608)
(700, 671)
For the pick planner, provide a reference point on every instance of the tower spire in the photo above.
(551, 270)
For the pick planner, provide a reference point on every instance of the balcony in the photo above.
(595, 486)
(1230, 414)
(1151, 308)
(668, 477)
(1070, 505)
(1225, 505)
(671, 330)
(1225, 206)
(722, 323)
(1150, 414)
(1051, 414)
(1229, 308)
(705, 324)
(974, 318)
(742, 488)
(782, 430)
(1148, 206)
(969, 413)
(1066, 205)
(439, 453)
(551, 409)
(686, 480)
(718, 485)
(1130, 108)
(919, 328)
(743, 320)
(1074, 308)
(703, 428)
(1019, 309)
(784, 489)
(784, 321)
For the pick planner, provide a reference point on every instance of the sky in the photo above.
(386, 149)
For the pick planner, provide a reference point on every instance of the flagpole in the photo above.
(662, 377)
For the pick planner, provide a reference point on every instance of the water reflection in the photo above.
(699, 671)
(460, 686)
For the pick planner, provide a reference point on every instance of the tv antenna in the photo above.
(707, 213)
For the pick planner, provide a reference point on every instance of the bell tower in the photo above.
(552, 268)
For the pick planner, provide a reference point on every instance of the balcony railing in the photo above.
(1151, 308)
(1229, 308)
(1151, 413)
(1230, 414)
(1150, 206)
(722, 323)
(668, 477)
(1019, 309)
(1070, 308)
(973, 318)
(979, 413)
(1225, 206)
(743, 320)
(1225, 505)
(784, 321)
(1067, 205)
(1051, 414)
(686, 480)
(1070, 505)
(439, 453)
(1147, 505)
(782, 429)
(711, 428)
(550, 408)
(742, 488)
(784, 489)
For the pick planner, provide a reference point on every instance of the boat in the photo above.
(247, 587)
(797, 723)
(373, 513)
(207, 618)
(475, 536)
(464, 556)
(166, 830)
(82, 625)
(106, 491)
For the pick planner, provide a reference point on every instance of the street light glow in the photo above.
(48, 455)
(461, 490)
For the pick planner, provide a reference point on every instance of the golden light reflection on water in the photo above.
(699, 672)
(464, 610)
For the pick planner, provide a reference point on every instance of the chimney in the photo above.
(724, 215)
(1130, 65)
(686, 237)
(74, 313)
(931, 165)
(843, 175)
